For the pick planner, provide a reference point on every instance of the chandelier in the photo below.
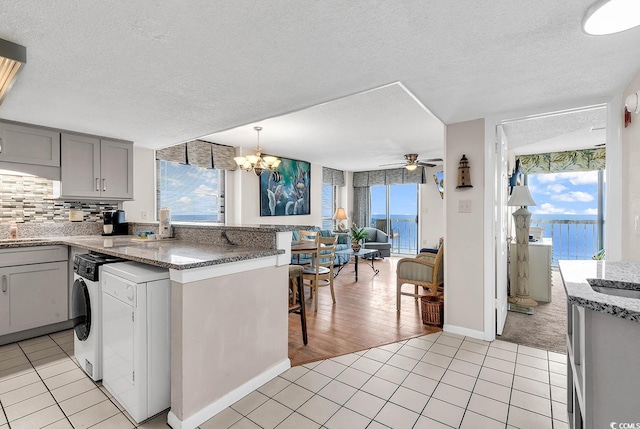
(257, 163)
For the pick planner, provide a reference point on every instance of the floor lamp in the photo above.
(520, 196)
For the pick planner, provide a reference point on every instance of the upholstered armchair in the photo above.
(426, 270)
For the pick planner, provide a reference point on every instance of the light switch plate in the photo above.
(464, 206)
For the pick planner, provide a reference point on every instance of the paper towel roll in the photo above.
(165, 223)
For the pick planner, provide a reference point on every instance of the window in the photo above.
(194, 194)
(394, 209)
(328, 205)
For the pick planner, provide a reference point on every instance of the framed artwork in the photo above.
(439, 178)
(286, 191)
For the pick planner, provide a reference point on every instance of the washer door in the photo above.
(81, 309)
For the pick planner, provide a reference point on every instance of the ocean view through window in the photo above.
(394, 210)
(194, 194)
(567, 209)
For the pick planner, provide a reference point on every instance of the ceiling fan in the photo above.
(412, 162)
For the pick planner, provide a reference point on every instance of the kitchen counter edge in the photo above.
(217, 258)
(574, 277)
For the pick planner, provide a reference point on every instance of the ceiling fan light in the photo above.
(411, 167)
(611, 16)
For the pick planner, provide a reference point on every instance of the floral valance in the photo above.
(557, 162)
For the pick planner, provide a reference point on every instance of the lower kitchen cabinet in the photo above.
(35, 294)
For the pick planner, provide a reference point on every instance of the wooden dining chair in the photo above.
(321, 272)
(296, 298)
(306, 235)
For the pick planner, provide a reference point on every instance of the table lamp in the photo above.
(520, 196)
(340, 216)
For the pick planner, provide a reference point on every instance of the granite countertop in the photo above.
(172, 254)
(620, 275)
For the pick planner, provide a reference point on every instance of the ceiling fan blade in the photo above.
(394, 163)
(425, 164)
(431, 160)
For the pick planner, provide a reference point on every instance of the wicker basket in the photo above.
(432, 310)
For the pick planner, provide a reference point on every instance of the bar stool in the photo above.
(296, 304)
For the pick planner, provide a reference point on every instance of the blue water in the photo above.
(570, 241)
(406, 228)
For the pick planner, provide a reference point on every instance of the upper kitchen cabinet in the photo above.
(29, 149)
(94, 168)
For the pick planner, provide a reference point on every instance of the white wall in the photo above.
(144, 187)
(247, 188)
(431, 210)
(631, 179)
(242, 199)
(464, 232)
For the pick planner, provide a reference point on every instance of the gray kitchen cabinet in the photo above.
(29, 145)
(33, 288)
(30, 149)
(94, 168)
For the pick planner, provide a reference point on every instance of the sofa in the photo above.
(378, 240)
(343, 244)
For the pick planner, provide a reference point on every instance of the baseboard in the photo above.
(35, 332)
(479, 335)
(235, 395)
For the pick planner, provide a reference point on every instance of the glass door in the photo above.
(394, 210)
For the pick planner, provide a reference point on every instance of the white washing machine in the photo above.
(86, 311)
(136, 306)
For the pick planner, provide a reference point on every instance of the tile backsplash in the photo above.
(29, 200)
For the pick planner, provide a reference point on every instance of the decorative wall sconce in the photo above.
(464, 176)
(631, 104)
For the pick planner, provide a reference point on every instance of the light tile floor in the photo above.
(41, 385)
(436, 381)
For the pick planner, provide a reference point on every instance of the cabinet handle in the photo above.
(97, 184)
(4, 284)
(104, 185)
(0, 145)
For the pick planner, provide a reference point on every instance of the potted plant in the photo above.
(357, 235)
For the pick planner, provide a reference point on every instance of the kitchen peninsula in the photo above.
(229, 317)
(603, 342)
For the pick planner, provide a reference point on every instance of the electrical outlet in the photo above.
(464, 206)
(143, 215)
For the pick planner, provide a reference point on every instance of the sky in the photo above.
(404, 200)
(189, 190)
(571, 193)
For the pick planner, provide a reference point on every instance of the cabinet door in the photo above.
(37, 295)
(80, 166)
(4, 302)
(116, 166)
(28, 145)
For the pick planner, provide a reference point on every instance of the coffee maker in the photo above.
(115, 223)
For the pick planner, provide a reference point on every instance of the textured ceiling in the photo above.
(160, 73)
(581, 129)
(353, 133)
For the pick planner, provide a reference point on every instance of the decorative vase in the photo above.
(355, 246)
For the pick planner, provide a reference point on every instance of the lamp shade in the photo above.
(520, 196)
(340, 214)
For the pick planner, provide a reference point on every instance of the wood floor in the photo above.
(364, 315)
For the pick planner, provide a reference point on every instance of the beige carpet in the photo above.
(546, 328)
